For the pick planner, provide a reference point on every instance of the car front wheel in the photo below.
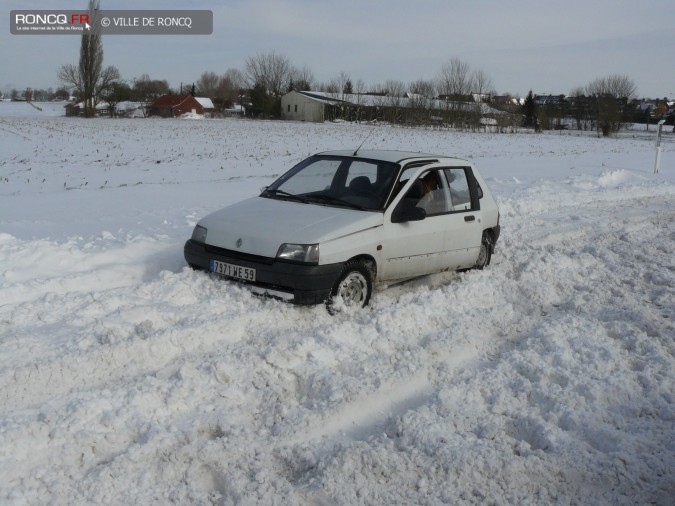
(352, 289)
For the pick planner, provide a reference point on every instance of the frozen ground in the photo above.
(126, 378)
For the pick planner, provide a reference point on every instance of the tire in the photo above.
(353, 288)
(485, 252)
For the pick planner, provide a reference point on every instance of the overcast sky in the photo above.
(546, 46)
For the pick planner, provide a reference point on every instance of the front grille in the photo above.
(238, 255)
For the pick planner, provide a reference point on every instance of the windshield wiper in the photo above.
(282, 193)
(338, 201)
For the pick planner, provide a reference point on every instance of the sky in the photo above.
(522, 45)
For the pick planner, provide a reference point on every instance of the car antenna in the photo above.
(364, 141)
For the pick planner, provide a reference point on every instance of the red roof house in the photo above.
(171, 106)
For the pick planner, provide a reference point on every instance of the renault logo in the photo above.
(239, 243)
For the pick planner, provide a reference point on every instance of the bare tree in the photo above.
(146, 90)
(106, 78)
(302, 78)
(610, 95)
(579, 91)
(271, 70)
(89, 78)
(378, 102)
(389, 100)
(338, 85)
(482, 84)
(230, 86)
(70, 76)
(208, 85)
(455, 80)
(223, 89)
(234, 81)
(91, 59)
(454, 86)
(423, 88)
(359, 90)
(422, 94)
(615, 85)
(235, 77)
(579, 108)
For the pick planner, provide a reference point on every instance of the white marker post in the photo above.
(659, 129)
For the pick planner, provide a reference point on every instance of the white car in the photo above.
(340, 222)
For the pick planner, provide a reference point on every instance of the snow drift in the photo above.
(127, 378)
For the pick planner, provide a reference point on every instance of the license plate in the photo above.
(233, 271)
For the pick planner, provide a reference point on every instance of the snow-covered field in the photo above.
(126, 378)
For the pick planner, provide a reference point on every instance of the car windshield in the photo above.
(337, 181)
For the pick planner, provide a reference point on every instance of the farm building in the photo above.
(171, 106)
(314, 106)
(306, 106)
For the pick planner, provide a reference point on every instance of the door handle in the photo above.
(470, 218)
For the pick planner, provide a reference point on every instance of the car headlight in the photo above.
(307, 253)
(199, 234)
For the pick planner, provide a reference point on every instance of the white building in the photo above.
(305, 106)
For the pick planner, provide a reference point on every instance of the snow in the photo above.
(127, 378)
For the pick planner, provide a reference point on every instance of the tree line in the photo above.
(454, 95)
(606, 104)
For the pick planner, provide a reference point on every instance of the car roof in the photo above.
(387, 155)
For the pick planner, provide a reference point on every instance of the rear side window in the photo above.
(461, 181)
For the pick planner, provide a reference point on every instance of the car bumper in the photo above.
(298, 283)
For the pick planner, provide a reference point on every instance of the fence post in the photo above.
(659, 129)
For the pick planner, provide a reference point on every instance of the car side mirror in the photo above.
(406, 211)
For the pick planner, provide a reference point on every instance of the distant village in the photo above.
(470, 111)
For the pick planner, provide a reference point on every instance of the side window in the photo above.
(430, 193)
(460, 195)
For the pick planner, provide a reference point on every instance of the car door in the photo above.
(413, 246)
(447, 237)
(464, 230)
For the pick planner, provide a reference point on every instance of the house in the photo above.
(646, 106)
(171, 106)
(77, 108)
(662, 108)
(549, 99)
(506, 100)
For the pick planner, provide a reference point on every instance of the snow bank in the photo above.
(126, 378)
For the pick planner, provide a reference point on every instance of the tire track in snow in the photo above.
(369, 414)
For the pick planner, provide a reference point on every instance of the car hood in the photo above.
(259, 225)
